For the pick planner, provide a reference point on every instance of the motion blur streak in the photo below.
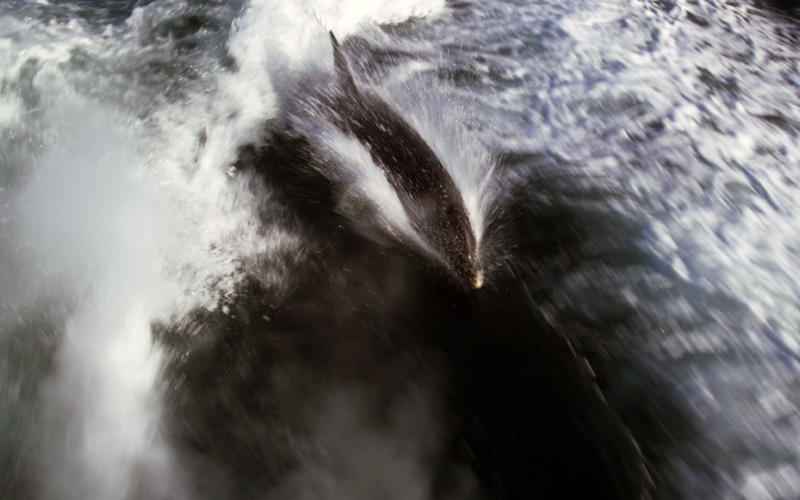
(209, 291)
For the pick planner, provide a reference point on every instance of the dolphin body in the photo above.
(425, 189)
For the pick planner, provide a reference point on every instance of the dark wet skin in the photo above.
(427, 192)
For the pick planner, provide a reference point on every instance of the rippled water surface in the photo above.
(209, 291)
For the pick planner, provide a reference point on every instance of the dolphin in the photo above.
(427, 192)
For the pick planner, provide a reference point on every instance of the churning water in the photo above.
(199, 302)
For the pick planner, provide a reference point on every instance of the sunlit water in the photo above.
(200, 301)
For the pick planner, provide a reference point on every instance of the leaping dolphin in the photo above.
(425, 189)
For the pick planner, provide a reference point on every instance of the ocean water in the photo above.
(207, 291)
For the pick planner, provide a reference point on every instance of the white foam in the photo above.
(119, 218)
(245, 99)
(105, 223)
(91, 224)
(344, 17)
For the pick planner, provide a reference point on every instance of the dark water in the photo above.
(210, 292)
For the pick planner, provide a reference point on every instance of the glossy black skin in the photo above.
(427, 192)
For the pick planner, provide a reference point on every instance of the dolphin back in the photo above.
(427, 192)
(343, 74)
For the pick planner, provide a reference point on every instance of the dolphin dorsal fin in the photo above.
(342, 70)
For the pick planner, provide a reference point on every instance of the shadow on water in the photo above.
(788, 8)
(785, 14)
(510, 394)
(575, 256)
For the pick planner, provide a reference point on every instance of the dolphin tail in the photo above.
(342, 70)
